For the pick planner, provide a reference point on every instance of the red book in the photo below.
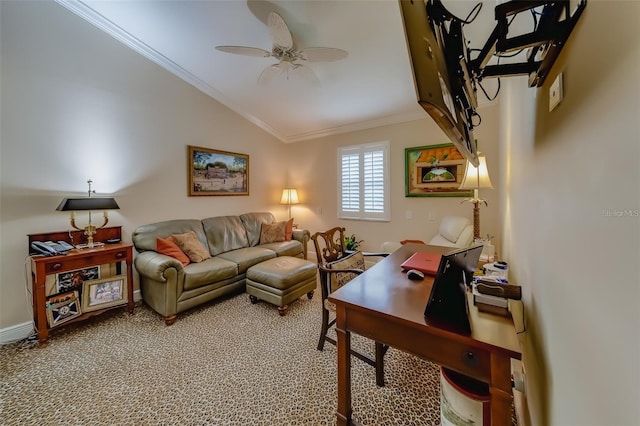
(423, 262)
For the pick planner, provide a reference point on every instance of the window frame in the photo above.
(361, 212)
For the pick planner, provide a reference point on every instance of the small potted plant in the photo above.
(351, 243)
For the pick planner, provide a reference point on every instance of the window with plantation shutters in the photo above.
(363, 182)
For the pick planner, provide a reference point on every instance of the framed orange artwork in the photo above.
(434, 171)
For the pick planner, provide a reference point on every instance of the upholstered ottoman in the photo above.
(281, 280)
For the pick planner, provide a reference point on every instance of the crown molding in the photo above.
(360, 125)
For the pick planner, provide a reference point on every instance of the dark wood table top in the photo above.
(385, 291)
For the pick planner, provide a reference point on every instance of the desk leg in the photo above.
(500, 389)
(344, 368)
(39, 305)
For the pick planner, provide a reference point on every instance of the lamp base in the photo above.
(84, 246)
(89, 230)
(476, 220)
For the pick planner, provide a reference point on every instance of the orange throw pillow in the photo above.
(288, 230)
(170, 248)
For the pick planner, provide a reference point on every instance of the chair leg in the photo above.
(380, 350)
(325, 328)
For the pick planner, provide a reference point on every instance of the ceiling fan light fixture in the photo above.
(289, 57)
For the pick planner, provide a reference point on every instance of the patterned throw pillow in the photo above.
(169, 247)
(191, 246)
(352, 261)
(272, 232)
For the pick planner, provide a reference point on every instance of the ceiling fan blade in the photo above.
(244, 50)
(269, 73)
(280, 34)
(305, 73)
(323, 54)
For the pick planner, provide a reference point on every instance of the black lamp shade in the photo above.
(90, 203)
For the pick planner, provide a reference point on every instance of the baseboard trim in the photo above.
(15, 333)
(18, 332)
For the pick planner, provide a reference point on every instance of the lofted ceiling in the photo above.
(373, 86)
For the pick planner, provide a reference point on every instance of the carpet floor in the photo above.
(226, 363)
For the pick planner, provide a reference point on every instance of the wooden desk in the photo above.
(384, 305)
(77, 259)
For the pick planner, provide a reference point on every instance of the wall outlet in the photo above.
(408, 214)
(555, 92)
(431, 216)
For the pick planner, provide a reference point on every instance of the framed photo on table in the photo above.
(62, 308)
(72, 280)
(214, 172)
(104, 293)
(434, 171)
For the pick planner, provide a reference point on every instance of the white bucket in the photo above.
(463, 400)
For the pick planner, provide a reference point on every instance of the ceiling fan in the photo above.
(291, 60)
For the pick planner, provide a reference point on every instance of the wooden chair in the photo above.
(336, 268)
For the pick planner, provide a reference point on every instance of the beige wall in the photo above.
(579, 267)
(313, 171)
(77, 104)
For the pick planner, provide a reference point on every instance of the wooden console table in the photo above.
(74, 260)
(383, 305)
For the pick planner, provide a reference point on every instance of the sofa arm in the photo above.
(155, 265)
(302, 235)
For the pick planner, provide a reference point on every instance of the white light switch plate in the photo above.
(555, 92)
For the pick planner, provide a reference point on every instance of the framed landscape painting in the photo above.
(214, 172)
(434, 171)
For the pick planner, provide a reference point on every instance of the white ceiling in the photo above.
(373, 86)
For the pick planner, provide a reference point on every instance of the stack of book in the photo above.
(493, 296)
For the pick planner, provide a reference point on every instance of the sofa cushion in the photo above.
(272, 232)
(208, 271)
(291, 248)
(253, 225)
(168, 246)
(247, 257)
(452, 226)
(224, 233)
(144, 237)
(191, 246)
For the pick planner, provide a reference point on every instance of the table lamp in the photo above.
(476, 178)
(90, 203)
(289, 197)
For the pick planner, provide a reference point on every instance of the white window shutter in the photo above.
(363, 181)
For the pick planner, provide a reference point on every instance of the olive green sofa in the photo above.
(169, 288)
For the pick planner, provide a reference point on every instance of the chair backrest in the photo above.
(336, 267)
(329, 245)
(454, 231)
